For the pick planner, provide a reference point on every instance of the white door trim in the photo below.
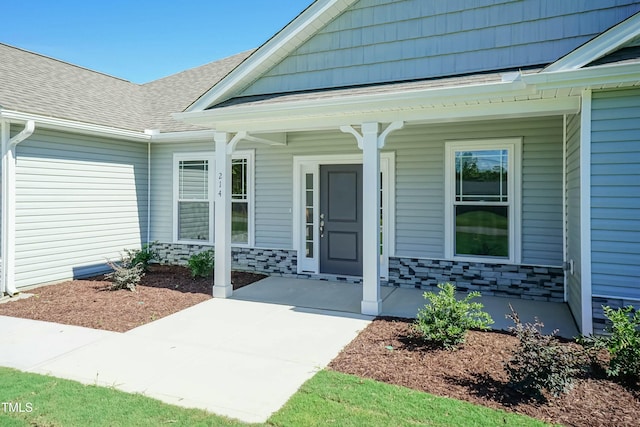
(311, 164)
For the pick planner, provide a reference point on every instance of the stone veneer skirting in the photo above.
(519, 281)
(505, 280)
(600, 321)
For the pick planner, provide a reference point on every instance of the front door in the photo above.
(341, 219)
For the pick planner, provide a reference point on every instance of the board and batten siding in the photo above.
(419, 209)
(377, 41)
(573, 283)
(79, 201)
(615, 193)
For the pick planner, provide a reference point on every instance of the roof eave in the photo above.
(603, 44)
(440, 104)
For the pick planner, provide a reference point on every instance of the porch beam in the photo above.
(224, 144)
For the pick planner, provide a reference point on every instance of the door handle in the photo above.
(321, 225)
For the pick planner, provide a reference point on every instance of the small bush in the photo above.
(444, 322)
(141, 256)
(125, 276)
(540, 362)
(201, 264)
(622, 343)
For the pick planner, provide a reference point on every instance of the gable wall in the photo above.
(615, 193)
(383, 40)
(79, 201)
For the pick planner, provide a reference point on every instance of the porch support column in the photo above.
(371, 301)
(222, 278)
(371, 142)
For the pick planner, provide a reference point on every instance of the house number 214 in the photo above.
(220, 184)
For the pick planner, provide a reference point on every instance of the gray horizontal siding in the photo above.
(79, 201)
(420, 185)
(574, 284)
(419, 206)
(615, 193)
(381, 40)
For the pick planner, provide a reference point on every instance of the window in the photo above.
(194, 199)
(194, 203)
(482, 208)
(240, 200)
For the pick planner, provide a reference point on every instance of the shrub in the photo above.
(125, 276)
(622, 343)
(444, 322)
(541, 362)
(201, 264)
(141, 256)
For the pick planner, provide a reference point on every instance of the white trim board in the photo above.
(311, 164)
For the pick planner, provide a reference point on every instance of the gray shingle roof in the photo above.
(33, 83)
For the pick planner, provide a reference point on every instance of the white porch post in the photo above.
(370, 143)
(371, 301)
(222, 279)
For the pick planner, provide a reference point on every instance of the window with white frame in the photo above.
(194, 203)
(194, 198)
(482, 199)
(240, 184)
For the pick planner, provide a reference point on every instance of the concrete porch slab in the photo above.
(318, 294)
(399, 302)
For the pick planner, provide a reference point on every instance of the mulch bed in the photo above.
(164, 290)
(475, 373)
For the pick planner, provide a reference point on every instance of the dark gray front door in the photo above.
(341, 219)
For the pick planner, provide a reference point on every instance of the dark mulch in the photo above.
(164, 290)
(475, 373)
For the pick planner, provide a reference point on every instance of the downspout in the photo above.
(148, 193)
(9, 202)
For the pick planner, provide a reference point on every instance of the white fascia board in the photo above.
(273, 51)
(607, 42)
(73, 126)
(485, 111)
(585, 77)
(356, 103)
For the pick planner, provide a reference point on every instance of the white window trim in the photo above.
(210, 157)
(514, 146)
(249, 155)
(177, 158)
(311, 164)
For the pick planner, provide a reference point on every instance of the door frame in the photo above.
(303, 165)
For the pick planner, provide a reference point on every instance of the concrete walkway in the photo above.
(231, 357)
(241, 357)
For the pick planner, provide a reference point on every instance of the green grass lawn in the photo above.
(329, 398)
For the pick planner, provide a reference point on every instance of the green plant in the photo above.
(124, 275)
(444, 322)
(141, 256)
(622, 343)
(541, 362)
(201, 264)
